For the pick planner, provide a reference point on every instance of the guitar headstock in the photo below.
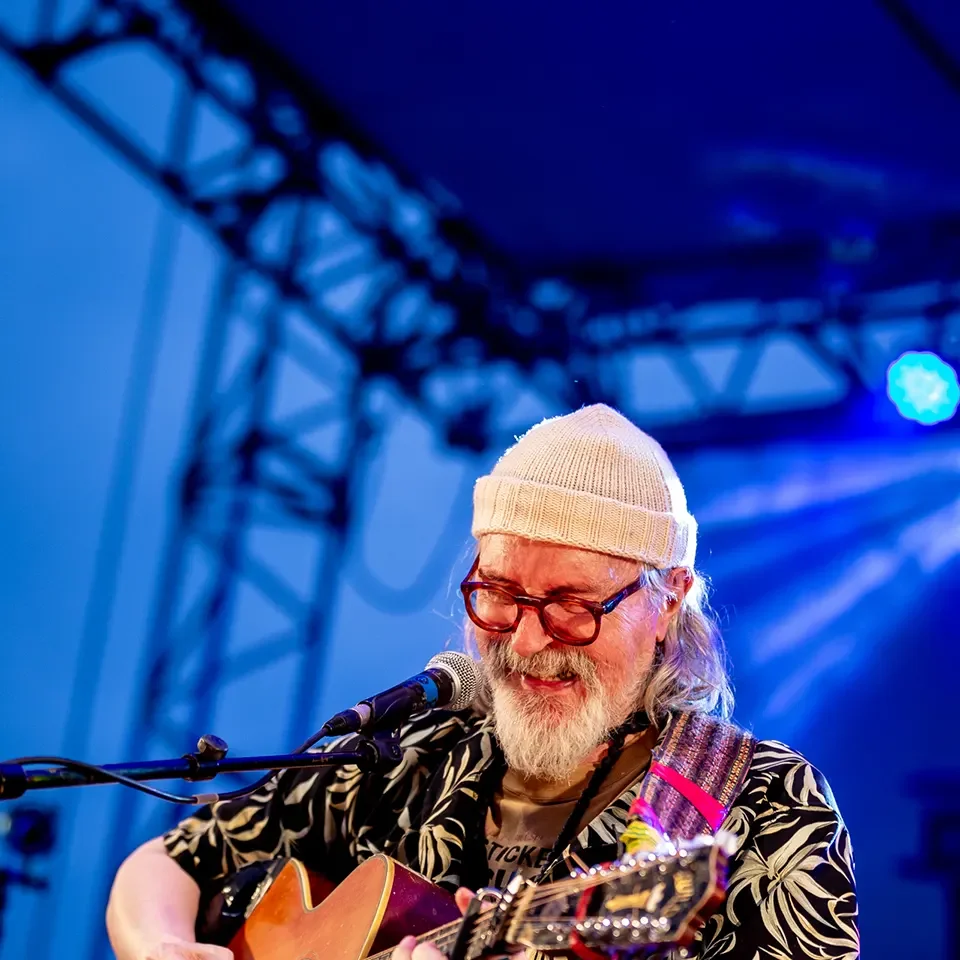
(637, 905)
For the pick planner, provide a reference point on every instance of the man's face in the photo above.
(553, 703)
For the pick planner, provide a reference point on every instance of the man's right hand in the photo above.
(175, 949)
(152, 910)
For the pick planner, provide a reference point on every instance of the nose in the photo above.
(529, 637)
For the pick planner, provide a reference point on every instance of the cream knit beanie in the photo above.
(590, 479)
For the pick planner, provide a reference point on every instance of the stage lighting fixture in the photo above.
(923, 387)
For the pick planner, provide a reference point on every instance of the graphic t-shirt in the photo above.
(527, 815)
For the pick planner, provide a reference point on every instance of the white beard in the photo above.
(539, 742)
(539, 739)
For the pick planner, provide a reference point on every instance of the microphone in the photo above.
(449, 680)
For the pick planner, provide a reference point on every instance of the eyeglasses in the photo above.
(568, 619)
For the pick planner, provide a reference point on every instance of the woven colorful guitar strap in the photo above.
(698, 770)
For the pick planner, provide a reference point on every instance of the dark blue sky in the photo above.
(624, 129)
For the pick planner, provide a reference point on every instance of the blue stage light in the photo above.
(923, 387)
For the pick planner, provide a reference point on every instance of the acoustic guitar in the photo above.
(636, 906)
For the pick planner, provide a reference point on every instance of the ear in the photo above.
(679, 582)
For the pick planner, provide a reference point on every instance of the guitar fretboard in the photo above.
(648, 902)
(443, 938)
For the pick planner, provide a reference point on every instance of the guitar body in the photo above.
(633, 907)
(378, 904)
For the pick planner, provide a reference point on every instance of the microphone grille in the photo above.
(465, 673)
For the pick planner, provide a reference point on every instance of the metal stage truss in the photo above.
(359, 279)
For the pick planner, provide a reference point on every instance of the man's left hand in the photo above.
(408, 949)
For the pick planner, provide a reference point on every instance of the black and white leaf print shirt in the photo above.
(791, 890)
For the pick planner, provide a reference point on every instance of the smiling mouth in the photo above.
(553, 682)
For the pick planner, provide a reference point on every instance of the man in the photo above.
(605, 691)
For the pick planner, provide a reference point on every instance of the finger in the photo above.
(404, 949)
(427, 951)
(462, 898)
(217, 953)
(194, 951)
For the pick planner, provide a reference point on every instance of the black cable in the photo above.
(270, 774)
(82, 767)
(616, 740)
(67, 764)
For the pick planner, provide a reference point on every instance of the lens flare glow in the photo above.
(923, 387)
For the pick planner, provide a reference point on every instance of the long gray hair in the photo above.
(690, 666)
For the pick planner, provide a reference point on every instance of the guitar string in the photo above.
(564, 926)
(446, 935)
(550, 894)
(554, 892)
(546, 896)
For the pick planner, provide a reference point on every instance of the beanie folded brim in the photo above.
(536, 511)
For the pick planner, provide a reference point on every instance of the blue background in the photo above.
(835, 560)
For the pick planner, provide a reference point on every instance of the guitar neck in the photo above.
(484, 927)
(653, 900)
(443, 938)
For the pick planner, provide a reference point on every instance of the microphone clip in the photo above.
(381, 748)
(210, 751)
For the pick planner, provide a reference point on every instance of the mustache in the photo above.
(501, 660)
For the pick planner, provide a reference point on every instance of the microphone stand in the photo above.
(209, 759)
(16, 878)
(17, 777)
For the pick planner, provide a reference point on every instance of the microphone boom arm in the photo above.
(209, 760)
(450, 679)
